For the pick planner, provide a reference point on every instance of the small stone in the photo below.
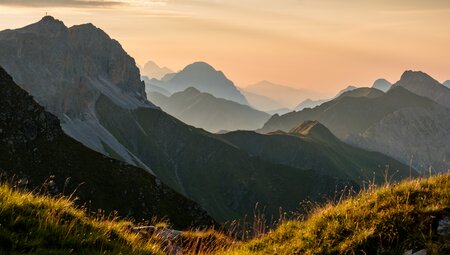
(443, 228)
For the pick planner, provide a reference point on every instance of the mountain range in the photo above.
(153, 70)
(36, 153)
(309, 103)
(288, 97)
(204, 78)
(263, 103)
(406, 126)
(93, 86)
(205, 111)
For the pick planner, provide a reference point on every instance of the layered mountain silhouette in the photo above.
(88, 81)
(34, 150)
(205, 111)
(153, 70)
(204, 78)
(288, 97)
(410, 128)
(422, 84)
(150, 87)
(312, 146)
(309, 103)
(262, 103)
(382, 84)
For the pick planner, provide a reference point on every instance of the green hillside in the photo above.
(312, 146)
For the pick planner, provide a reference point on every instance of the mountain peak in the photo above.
(416, 76)
(47, 24)
(311, 128)
(192, 90)
(382, 84)
(199, 66)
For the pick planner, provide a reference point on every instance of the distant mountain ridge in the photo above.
(153, 70)
(382, 84)
(399, 123)
(287, 96)
(309, 103)
(204, 78)
(33, 148)
(260, 102)
(205, 111)
(422, 84)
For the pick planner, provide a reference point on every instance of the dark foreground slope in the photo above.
(313, 146)
(33, 148)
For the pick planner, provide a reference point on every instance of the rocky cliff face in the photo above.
(54, 63)
(414, 134)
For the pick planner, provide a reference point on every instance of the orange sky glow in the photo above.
(321, 45)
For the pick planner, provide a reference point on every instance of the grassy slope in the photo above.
(32, 224)
(389, 220)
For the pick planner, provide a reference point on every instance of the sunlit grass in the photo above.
(388, 220)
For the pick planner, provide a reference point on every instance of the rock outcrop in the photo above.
(54, 63)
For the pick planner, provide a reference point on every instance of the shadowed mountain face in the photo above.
(399, 123)
(208, 112)
(204, 78)
(312, 146)
(99, 97)
(422, 84)
(33, 147)
(382, 84)
(152, 70)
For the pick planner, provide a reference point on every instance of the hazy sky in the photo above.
(322, 45)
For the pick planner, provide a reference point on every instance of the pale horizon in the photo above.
(316, 45)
